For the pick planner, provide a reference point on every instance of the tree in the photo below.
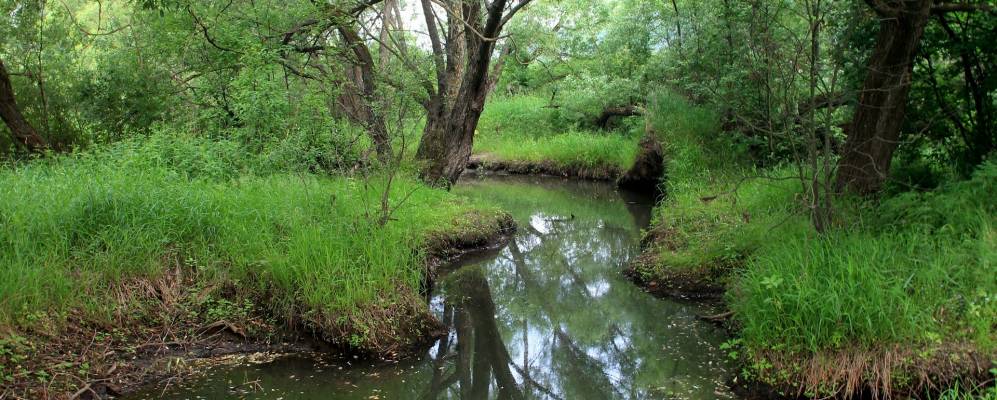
(20, 128)
(875, 129)
(462, 61)
(360, 90)
(874, 132)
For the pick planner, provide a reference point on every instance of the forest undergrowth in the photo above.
(897, 297)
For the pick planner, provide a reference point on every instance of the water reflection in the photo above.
(547, 317)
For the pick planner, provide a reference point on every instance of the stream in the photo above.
(549, 316)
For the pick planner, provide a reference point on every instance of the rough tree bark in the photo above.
(360, 91)
(22, 131)
(462, 67)
(623, 111)
(875, 128)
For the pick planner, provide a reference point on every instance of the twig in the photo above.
(718, 317)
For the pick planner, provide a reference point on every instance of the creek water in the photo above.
(547, 317)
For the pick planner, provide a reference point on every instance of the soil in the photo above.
(86, 361)
(707, 282)
(486, 163)
(648, 169)
(703, 283)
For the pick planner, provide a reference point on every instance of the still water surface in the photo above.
(547, 317)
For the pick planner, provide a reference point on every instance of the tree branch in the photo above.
(942, 8)
(434, 38)
(204, 30)
(515, 9)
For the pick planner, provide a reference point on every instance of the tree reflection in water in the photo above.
(550, 317)
(547, 317)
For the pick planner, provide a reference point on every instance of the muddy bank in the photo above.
(876, 372)
(687, 284)
(172, 327)
(484, 163)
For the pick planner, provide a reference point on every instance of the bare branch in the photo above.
(515, 9)
(434, 38)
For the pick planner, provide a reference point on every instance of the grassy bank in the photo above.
(898, 297)
(523, 134)
(166, 239)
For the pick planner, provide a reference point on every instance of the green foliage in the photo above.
(961, 391)
(596, 56)
(14, 351)
(83, 224)
(913, 268)
(956, 209)
(858, 288)
(519, 116)
(950, 119)
(718, 211)
(522, 129)
(689, 133)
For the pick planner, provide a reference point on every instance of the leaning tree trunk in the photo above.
(453, 114)
(20, 128)
(875, 128)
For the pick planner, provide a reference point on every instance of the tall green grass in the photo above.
(915, 269)
(960, 392)
(77, 226)
(523, 129)
(713, 215)
(570, 149)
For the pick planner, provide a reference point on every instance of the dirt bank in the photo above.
(172, 326)
(704, 282)
(487, 163)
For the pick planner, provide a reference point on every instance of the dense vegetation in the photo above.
(173, 164)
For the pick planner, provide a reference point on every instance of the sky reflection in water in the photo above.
(547, 317)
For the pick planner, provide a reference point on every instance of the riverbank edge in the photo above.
(479, 163)
(119, 363)
(884, 371)
(706, 282)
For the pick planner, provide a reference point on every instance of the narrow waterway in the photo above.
(547, 317)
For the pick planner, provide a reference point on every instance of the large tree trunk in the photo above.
(446, 142)
(454, 110)
(20, 128)
(875, 129)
